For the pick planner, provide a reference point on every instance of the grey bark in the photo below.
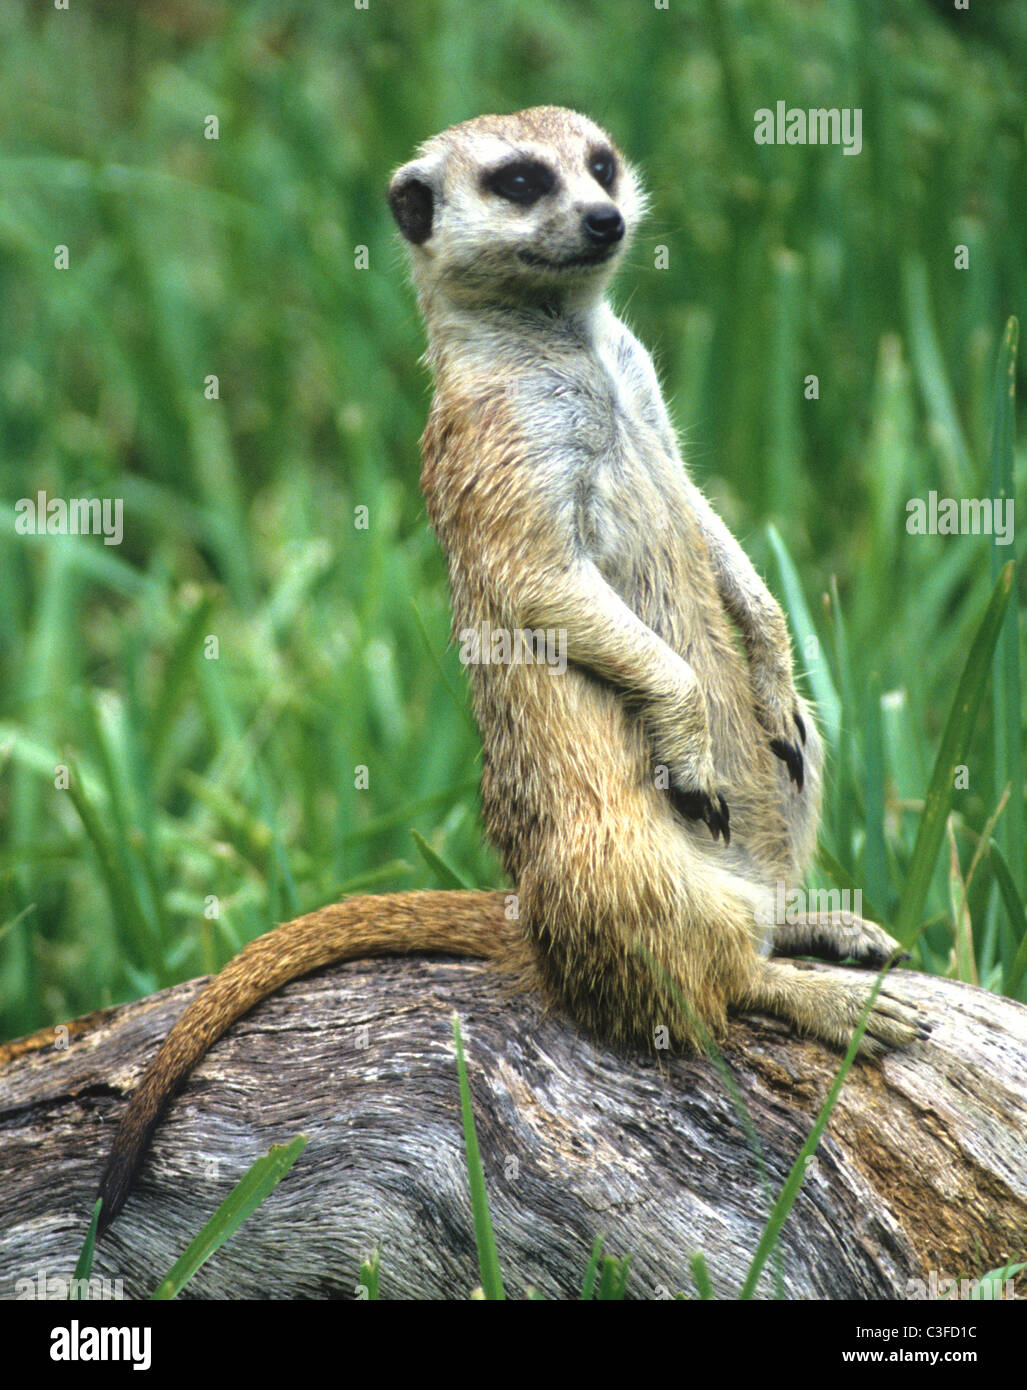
(923, 1167)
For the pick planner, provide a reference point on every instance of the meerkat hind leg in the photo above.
(830, 1008)
(836, 936)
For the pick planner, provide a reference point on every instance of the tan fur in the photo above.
(553, 481)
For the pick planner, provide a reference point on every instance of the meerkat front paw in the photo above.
(791, 753)
(690, 783)
(697, 805)
(866, 943)
(782, 717)
(836, 936)
(683, 756)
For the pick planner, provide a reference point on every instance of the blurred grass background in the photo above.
(235, 777)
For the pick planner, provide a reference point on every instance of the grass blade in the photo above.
(255, 1185)
(1007, 693)
(370, 1272)
(125, 905)
(701, 1275)
(793, 1182)
(614, 1279)
(589, 1283)
(932, 375)
(84, 1263)
(713, 1053)
(488, 1257)
(824, 693)
(954, 745)
(995, 1282)
(875, 854)
(966, 965)
(447, 877)
(1014, 906)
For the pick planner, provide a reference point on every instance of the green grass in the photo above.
(256, 1184)
(254, 1187)
(323, 742)
(488, 1257)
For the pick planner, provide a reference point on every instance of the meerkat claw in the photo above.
(724, 820)
(896, 1023)
(700, 806)
(791, 757)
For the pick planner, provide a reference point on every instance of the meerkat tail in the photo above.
(467, 924)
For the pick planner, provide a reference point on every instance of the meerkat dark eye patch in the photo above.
(602, 165)
(523, 181)
(413, 206)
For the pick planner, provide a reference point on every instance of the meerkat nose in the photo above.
(603, 226)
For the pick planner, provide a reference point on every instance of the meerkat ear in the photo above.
(412, 199)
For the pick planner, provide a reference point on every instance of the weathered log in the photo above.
(923, 1167)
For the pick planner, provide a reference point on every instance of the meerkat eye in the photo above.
(603, 168)
(523, 182)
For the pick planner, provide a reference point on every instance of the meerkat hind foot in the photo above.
(837, 936)
(830, 1008)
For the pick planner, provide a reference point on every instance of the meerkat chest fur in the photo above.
(579, 433)
(611, 462)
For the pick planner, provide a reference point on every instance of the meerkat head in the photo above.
(533, 207)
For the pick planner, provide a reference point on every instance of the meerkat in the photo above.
(648, 799)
